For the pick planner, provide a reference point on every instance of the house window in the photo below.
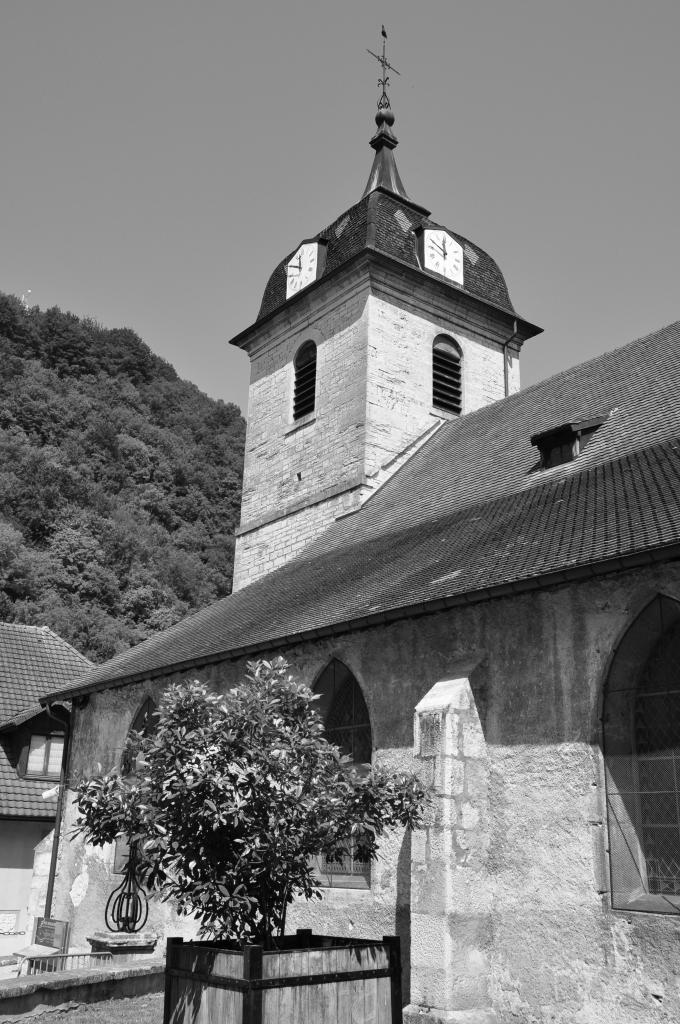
(305, 380)
(642, 761)
(44, 756)
(447, 376)
(144, 724)
(343, 709)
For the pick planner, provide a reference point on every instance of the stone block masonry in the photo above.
(374, 339)
(450, 904)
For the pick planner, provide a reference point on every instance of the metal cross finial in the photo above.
(384, 100)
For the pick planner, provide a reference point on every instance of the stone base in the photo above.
(432, 1015)
(124, 947)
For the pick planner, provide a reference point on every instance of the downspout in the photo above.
(65, 721)
(506, 375)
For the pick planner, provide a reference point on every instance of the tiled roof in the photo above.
(33, 659)
(471, 513)
(384, 222)
(22, 798)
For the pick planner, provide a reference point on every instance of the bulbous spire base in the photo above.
(384, 173)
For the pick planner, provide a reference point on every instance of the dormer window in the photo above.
(44, 756)
(563, 444)
(305, 380)
(447, 375)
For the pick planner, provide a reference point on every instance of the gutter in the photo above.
(506, 372)
(618, 563)
(66, 723)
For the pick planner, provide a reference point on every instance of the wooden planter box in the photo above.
(309, 979)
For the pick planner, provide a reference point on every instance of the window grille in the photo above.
(347, 723)
(642, 762)
(447, 376)
(305, 380)
(45, 755)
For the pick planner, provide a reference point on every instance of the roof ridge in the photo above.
(586, 363)
(65, 643)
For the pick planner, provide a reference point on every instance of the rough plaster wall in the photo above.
(555, 952)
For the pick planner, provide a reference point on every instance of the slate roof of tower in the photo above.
(33, 659)
(471, 515)
(384, 222)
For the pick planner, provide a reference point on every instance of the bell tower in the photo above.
(371, 333)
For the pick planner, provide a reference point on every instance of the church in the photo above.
(483, 585)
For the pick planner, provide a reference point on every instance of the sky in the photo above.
(160, 157)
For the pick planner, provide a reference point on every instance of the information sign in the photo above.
(51, 932)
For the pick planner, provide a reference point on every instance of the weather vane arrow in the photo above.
(384, 100)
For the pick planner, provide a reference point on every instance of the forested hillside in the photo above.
(119, 483)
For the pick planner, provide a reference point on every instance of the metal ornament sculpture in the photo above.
(127, 908)
(383, 101)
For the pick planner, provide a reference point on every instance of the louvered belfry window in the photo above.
(343, 709)
(642, 761)
(305, 380)
(447, 376)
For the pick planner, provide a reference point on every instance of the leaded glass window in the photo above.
(642, 761)
(345, 714)
(144, 724)
(657, 748)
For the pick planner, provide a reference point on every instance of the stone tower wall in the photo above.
(374, 340)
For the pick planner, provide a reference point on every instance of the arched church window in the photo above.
(642, 761)
(345, 715)
(143, 724)
(447, 375)
(305, 380)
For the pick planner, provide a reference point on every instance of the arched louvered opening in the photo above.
(642, 760)
(447, 375)
(305, 380)
(348, 726)
(143, 724)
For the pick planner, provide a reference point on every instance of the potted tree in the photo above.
(232, 798)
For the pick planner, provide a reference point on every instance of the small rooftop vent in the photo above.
(564, 443)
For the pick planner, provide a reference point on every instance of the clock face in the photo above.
(301, 269)
(443, 254)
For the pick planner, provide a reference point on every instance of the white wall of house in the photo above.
(18, 840)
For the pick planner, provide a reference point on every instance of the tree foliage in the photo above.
(232, 797)
(119, 483)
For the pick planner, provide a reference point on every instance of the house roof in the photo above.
(33, 659)
(470, 515)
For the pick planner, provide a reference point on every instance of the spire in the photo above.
(384, 173)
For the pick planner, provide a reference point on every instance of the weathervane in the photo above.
(384, 101)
